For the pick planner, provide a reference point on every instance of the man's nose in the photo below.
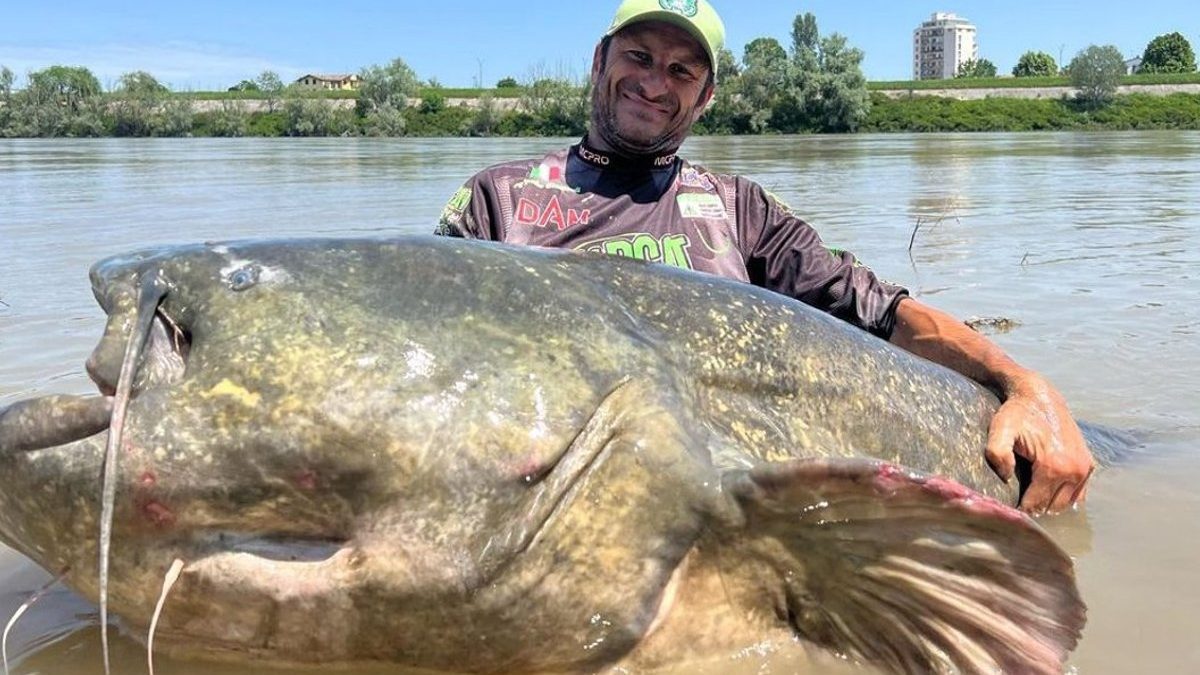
(653, 84)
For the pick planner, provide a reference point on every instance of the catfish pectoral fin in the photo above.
(913, 573)
(50, 421)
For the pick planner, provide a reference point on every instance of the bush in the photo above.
(485, 119)
(315, 117)
(448, 121)
(928, 113)
(432, 102)
(268, 124)
(557, 106)
(976, 68)
(1035, 64)
(1170, 53)
(384, 121)
(1096, 72)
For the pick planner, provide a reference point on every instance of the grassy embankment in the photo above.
(1024, 82)
(905, 114)
(899, 85)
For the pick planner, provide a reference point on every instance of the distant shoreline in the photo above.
(1136, 107)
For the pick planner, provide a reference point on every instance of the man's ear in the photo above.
(706, 98)
(597, 61)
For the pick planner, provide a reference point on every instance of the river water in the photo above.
(1090, 243)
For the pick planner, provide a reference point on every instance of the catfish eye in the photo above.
(243, 278)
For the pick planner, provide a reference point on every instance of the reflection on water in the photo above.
(1089, 243)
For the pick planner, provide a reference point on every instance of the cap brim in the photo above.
(676, 20)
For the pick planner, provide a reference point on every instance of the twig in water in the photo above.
(1024, 259)
(913, 238)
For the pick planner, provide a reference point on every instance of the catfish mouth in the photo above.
(273, 548)
(163, 358)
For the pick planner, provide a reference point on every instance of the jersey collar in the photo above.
(610, 160)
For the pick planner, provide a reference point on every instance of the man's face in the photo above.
(652, 88)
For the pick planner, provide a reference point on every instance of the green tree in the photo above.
(486, 118)
(141, 83)
(59, 101)
(382, 96)
(66, 86)
(507, 83)
(230, 120)
(1035, 64)
(728, 68)
(246, 85)
(271, 86)
(976, 68)
(384, 120)
(763, 79)
(138, 101)
(268, 81)
(1170, 53)
(173, 118)
(315, 117)
(6, 102)
(6, 83)
(1095, 73)
(825, 90)
(390, 85)
(557, 105)
(433, 101)
(728, 113)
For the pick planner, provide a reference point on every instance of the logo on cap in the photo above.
(684, 7)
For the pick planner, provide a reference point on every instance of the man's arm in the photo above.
(1033, 421)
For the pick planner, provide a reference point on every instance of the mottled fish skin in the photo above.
(457, 455)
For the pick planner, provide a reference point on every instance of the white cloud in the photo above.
(181, 66)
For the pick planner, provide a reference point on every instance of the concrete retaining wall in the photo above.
(960, 94)
(1037, 92)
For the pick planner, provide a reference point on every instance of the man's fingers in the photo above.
(1002, 436)
(1050, 495)
(1061, 501)
(1081, 492)
(1038, 497)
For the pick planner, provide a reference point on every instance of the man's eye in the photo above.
(681, 72)
(640, 57)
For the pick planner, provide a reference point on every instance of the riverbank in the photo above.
(962, 110)
(940, 114)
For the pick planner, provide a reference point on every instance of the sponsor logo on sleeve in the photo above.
(689, 177)
(458, 203)
(700, 206)
(455, 214)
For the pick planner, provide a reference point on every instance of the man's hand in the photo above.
(1034, 422)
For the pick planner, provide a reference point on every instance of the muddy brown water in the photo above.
(1086, 245)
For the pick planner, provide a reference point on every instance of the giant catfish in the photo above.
(471, 457)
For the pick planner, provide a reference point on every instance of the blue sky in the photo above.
(211, 45)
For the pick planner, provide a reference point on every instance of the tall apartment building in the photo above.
(941, 45)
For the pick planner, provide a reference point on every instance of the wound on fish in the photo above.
(158, 514)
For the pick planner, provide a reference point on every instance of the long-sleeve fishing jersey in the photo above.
(667, 210)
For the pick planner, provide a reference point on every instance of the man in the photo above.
(622, 190)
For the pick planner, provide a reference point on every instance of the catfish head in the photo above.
(304, 430)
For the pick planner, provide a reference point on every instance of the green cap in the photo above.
(695, 16)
